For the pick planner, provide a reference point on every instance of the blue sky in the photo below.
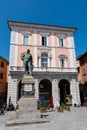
(72, 13)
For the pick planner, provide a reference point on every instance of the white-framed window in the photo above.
(0, 87)
(44, 40)
(61, 42)
(44, 60)
(25, 39)
(62, 61)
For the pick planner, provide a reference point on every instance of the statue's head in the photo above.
(28, 50)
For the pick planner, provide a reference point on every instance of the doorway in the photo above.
(64, 87)
(45, 92)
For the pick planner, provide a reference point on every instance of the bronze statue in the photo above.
(27, 61)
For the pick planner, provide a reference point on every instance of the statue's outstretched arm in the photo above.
(22, 55)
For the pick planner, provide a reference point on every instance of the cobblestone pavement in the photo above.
(76, 119)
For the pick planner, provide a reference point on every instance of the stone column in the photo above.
(78, 93)
(55, 92)
(74, 88)
(36, 89)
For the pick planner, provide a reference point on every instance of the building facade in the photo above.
(82, 75)
(54, 59)
(3, 79)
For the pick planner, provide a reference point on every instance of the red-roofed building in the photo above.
(3, 78)
(82, 75)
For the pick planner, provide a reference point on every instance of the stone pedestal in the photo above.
(28, 102)
(27, 112)
(28, 89)
(27, 109)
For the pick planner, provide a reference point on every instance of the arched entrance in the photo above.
(45, 91)
(64, 87)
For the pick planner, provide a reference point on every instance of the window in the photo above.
(44, 41)
(61, 43)
(82, 61)
(62, 63)
(63, 60)
(1, 75)
(44, 60)
(85, 81)
(84, 71)
(25, 39)
(2, 64)
(0, 87)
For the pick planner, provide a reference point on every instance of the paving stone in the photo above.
(76, 119)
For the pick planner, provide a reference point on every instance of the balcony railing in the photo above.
(47, 69)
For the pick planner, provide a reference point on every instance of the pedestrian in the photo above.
(2, 110)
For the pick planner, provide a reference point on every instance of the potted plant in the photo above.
(48, 109)
(42, 109)
(69, 100)
(67, 107)
(61, 108)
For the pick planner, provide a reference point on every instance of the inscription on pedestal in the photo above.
(28, 87)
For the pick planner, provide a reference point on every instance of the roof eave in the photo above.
(43, 26)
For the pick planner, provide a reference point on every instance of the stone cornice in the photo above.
(40, 26)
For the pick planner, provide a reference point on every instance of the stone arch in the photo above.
(45, 91)
(64, 87)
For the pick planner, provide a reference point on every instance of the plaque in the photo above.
(28, 87)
